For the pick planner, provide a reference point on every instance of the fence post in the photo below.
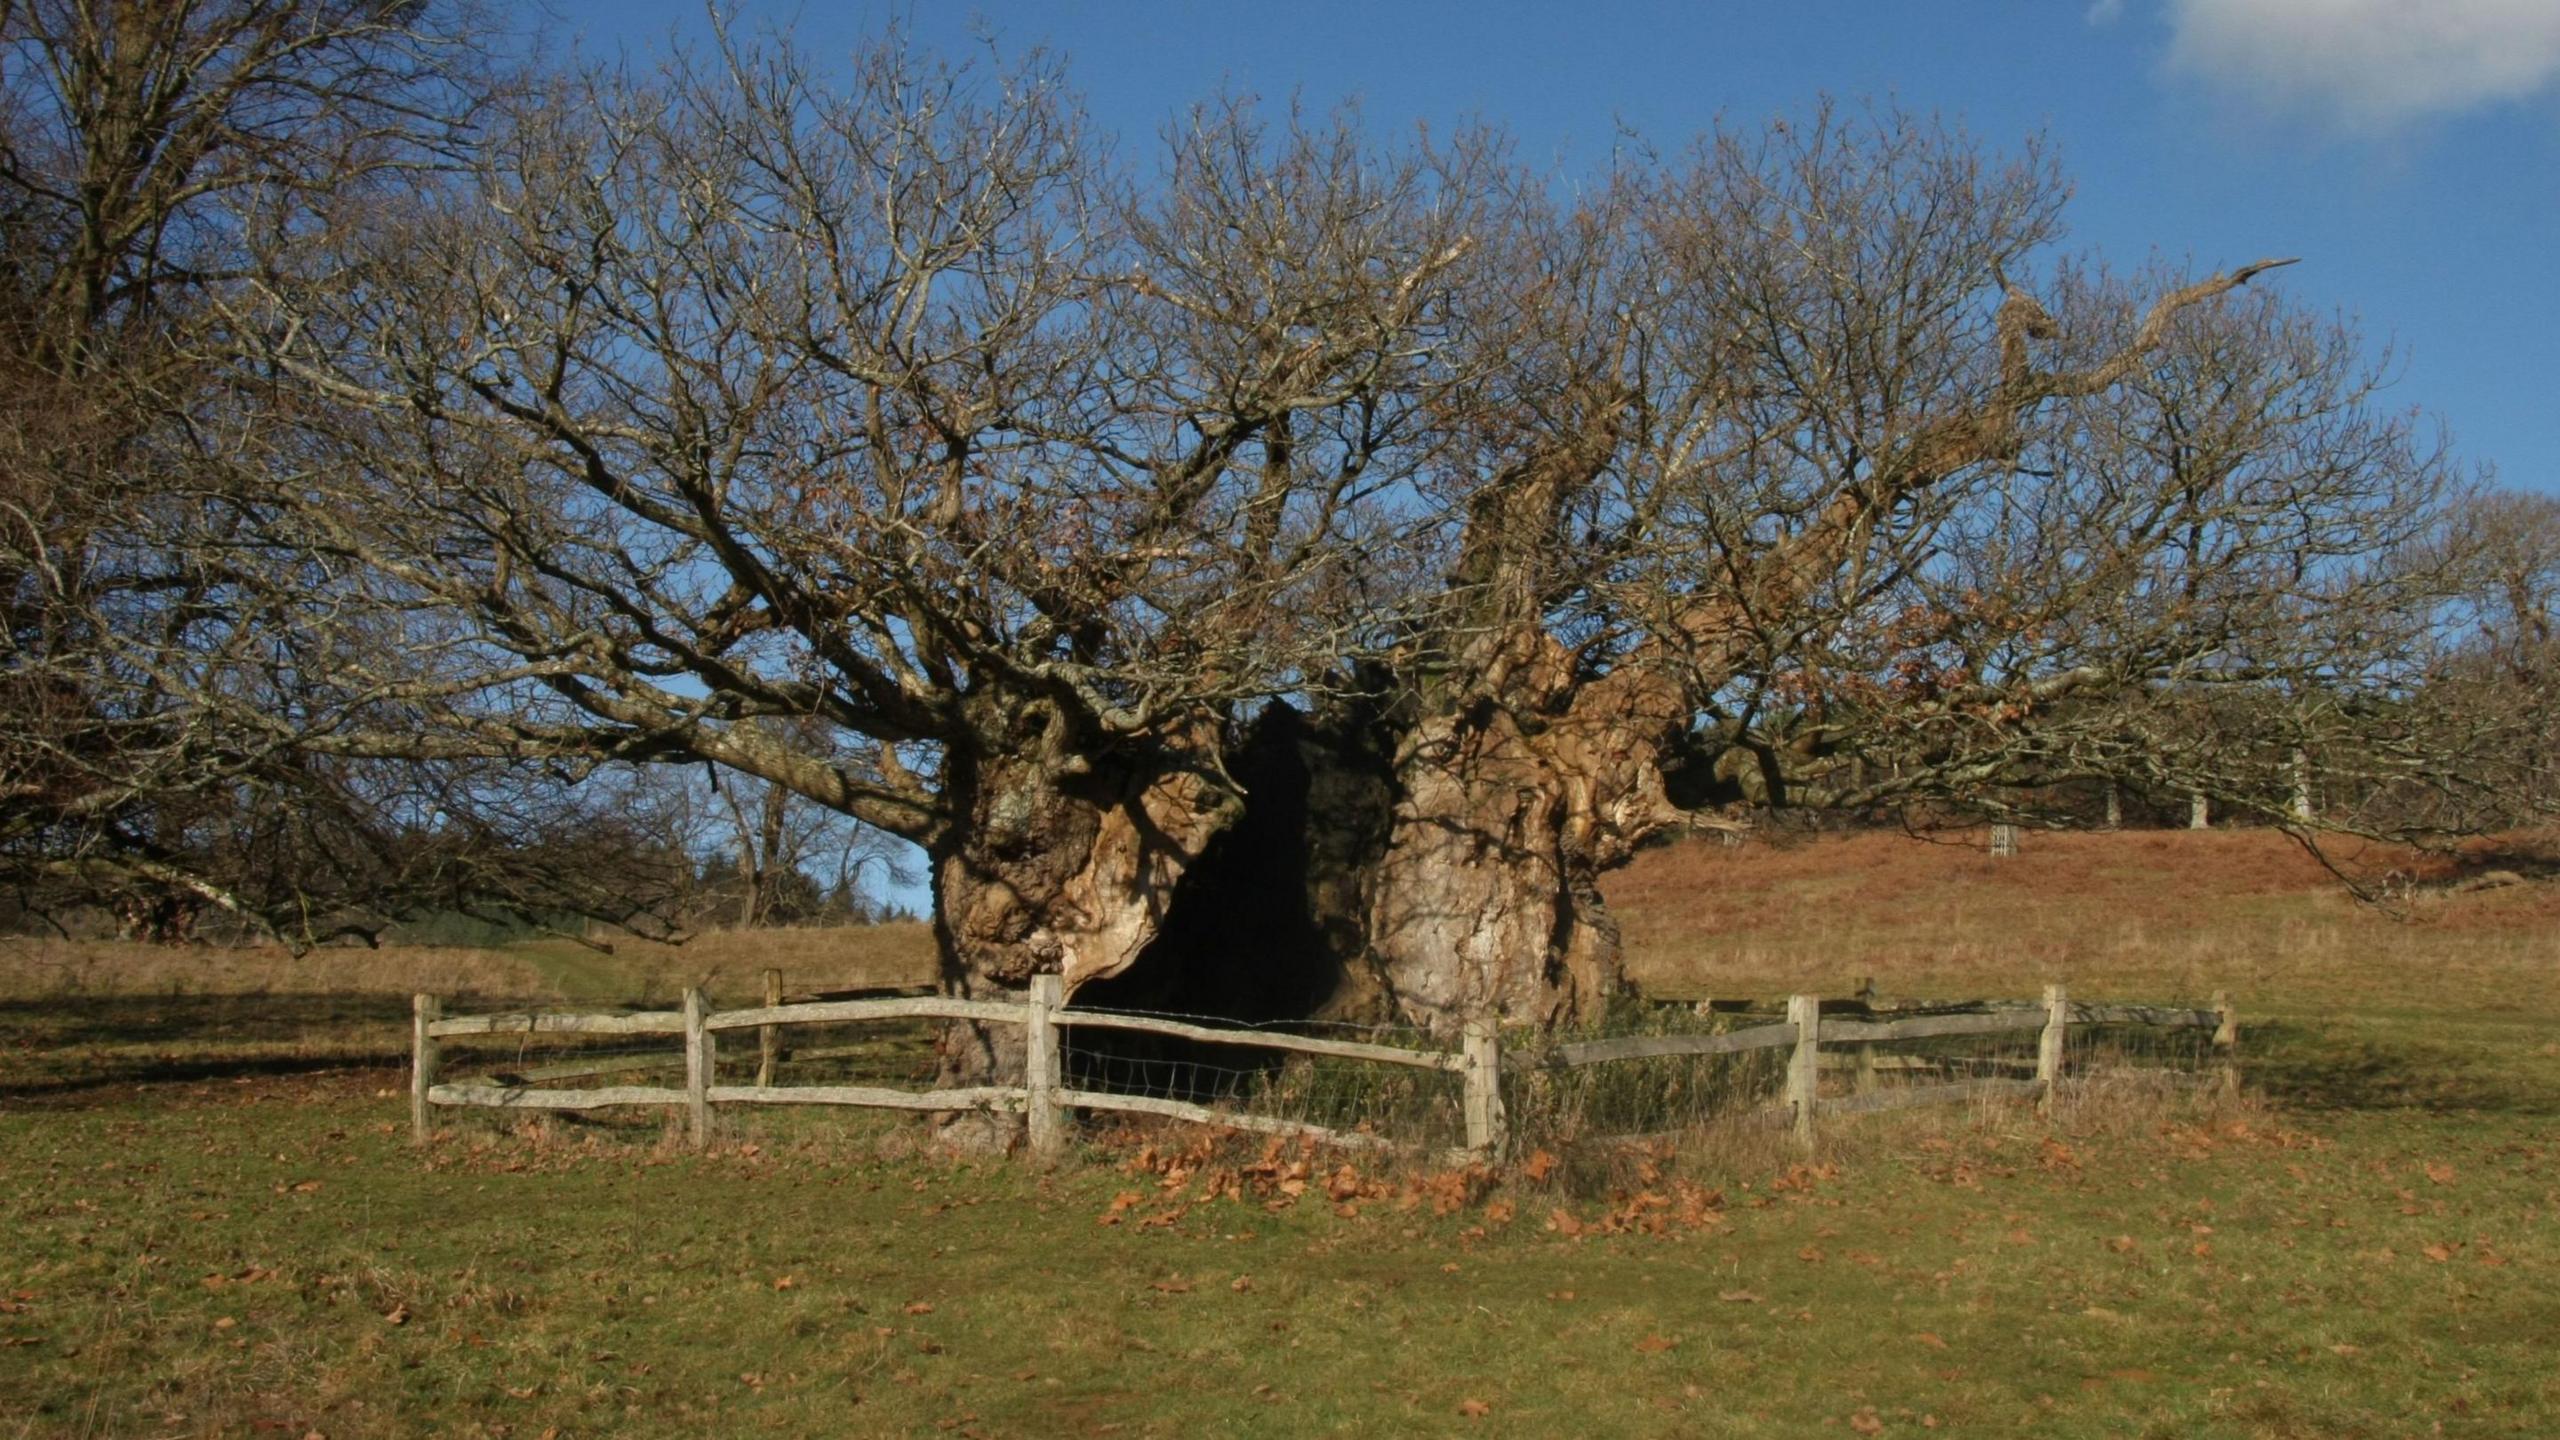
(2057, 1020)
(424, 1010)
(1481, 1068)
(768, 1037)
(2004, 840)
(1804, 1068)
(2226, 1043)
(699, 1057)
(1040, 1078)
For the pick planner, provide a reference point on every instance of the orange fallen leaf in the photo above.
(919, 1307)
(2441, 1174)
(1930, 1339)
(1539, 1165)
(1474, 1409)
(1867, 1422)
(1654, 1345)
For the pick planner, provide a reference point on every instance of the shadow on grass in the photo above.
(65, 1044)
(2327, 1066)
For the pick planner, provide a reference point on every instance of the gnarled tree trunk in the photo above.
(1487, 897)
(1067, 864)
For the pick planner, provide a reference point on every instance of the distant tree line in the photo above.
(1272, 566)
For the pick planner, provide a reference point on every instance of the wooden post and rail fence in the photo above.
(1046, 1100)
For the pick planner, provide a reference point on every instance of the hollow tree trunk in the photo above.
(1271, 922)
(1066, 865)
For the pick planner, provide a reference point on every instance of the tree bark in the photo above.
(1066, 865)
(1487, 897)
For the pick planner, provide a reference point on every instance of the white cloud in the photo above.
(2369, 64)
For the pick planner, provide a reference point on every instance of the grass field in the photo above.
(216, 1227)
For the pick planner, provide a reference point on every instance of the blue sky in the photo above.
(2408, 150)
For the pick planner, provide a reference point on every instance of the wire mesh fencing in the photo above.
(1641, 1070)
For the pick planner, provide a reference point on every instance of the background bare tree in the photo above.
(166, 662)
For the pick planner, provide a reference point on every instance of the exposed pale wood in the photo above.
(1922, 1027)
(2226, 1042)
(1804, 1068)
(1203, 1115)
(645, 1022)
(1302, 1044)
(518, 1097)
(2057, 1022)
(1864, 1064)
(769, 1037)
(1640, 1047)
(1906, 1097)
(930, 1007)
(1046, 1122)
(1483, 1060)
(699, 1060)
(423, 1010)
(982, 1097)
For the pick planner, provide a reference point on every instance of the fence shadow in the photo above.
(66, 1044)
(2322, 1066)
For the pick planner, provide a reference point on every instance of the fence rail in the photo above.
(1479, 1060)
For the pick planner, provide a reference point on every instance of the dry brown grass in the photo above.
(727, 963)
(839, 958)
(2138, 914)
(41, 967)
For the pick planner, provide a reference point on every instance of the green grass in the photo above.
(238, 1257)
(216, 1227)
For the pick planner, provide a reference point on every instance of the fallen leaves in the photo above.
(1286, 1172)
(1679, 1205)
(1655, 1344)
(1474, 1409)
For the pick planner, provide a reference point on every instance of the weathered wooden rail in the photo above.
(1047, 1103)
